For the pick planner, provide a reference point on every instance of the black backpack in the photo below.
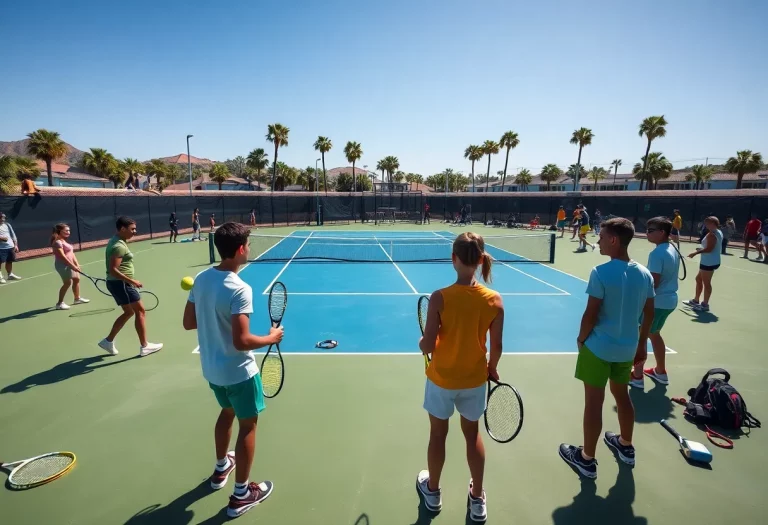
(716, 402)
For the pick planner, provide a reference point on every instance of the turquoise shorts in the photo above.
(246, 398)
(659, 318)
(596, 372)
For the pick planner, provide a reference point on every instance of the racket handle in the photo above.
(669, 428)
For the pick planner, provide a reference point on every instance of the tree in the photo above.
(550, 173)
(156, 167)
(473, 153)
(14, 169)
(582, 137)
(46, 146)
(597, 174)
(103, 164)
(132, 167)
(523, 179)
(399, 176)
(277, 134)
(652, 128)
(510, 141)
(655, 167)
(363, 184)
(615, 165)
(380, 166)
(576, 172)
(353, 151)
(489, 148)
(257, 160)
(390, 164)
(699, 175)
(219, 173)
(744, 162)
(323, 145)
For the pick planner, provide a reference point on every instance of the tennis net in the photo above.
(435, 248)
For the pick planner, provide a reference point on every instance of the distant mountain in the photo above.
(19, 148)
(181, 158)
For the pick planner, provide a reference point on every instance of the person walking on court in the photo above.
(729, 230)
(458, 321)
(196, 225)
(124, 289)
(710, 252)
(561, 221)
(677, 226)
(598, 221)
(583, 230)
(219, 308)
(620, 292)
(67, 266)
(173, 224)
(751, 233)
(664, 265)
(9, 247)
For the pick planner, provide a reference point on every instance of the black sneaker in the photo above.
(626, 454)
(571, 454)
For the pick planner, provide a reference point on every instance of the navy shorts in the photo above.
(7, 255)
(123, 293)
(706, 268)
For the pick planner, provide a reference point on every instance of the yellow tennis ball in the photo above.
(187, 283)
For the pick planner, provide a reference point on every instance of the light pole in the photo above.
(375, 207)
(317, 198)
(189, 165)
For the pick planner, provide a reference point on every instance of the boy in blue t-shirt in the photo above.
(219, 307)
(620, 293)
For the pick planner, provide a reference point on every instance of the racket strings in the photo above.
(423, 307)
(271, 375)
(503, 413)
(42, 469)
(277, 302)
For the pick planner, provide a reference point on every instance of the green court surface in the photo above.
(345, 439)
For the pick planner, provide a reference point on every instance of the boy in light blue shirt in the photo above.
(620, 294)
(664, 265)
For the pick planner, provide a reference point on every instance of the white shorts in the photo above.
(439, 402)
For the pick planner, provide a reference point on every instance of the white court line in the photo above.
(396, 266)
(266, 290)
(748, 271)
(412, 293)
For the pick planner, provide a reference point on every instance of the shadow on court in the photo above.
(177, 511)
(26, 315)
(615, 508)
(425, 515)
(701, 317)
(651, 406)
(88, 313)
(61, 372)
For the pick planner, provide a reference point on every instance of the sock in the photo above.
(585, 457)
(241, 489)
(222, 464)
(624, 443)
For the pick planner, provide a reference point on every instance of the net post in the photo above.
(552, 238)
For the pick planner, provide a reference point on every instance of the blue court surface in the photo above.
(370, 307)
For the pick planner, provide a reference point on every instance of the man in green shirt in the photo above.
(124, 289)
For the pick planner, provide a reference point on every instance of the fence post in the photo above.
(149, 215)
(693, 219)
(77, 222)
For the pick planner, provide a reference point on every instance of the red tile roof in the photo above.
(181, 158)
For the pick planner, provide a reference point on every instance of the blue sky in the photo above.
(417, 79)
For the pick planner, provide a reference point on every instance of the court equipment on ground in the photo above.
(149, 299)
(692, 450)
(39, 470)
(718, 439)
(187, 283)
(429, 247)
(503, 412)
(327, 344)
(272, 366)
(423, 307)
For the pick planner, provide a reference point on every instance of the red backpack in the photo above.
(716, 402)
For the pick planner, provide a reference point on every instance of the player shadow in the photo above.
(88, 313)
(700, 317)
(651, 406)
(177, 512)
(26, 315)
(425, 516)
(62, 372)
(362, 519)
(590, 509)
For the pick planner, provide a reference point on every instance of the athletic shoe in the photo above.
(433, 500)
(13, 277)
(593, 247)
(691, 303)
(220, 476)
(151, 348)
(477, 507)
(571, 454)
(257, 492)
(62, 306)
(659, 378)
(2, 281)
(759, 258)
(81, 300)
(626, 453)
(701, 307)
(108, 347)
(636, 382)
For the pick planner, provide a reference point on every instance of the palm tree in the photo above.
(576, 171)
(489, 148)
(391, 164)
(652, 128)
(473, 153)
(510, 141)
(257, 160)
(323, 145)
(219, 173)
(14, 169)
(380, 166)
(744, 162)
(699, 175)
(46, 146)
(550, 173)
(523, 178)
(353, 151)
(103, 164)
(655, 166)
(277, 134)
(582, 137)
(596, 174)
(132, 166)
(615, 165)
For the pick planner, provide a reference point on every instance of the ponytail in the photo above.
(486, 271)
(470, 249)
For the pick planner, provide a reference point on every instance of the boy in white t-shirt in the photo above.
(219, 307)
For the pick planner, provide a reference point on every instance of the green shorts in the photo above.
(659, 318)
(246, 398)
(595, 372)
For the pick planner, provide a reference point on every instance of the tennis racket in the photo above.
(33, 472)
(272, 367)
(503, 412)
(423, 307)
(682, 264)
(149, 299)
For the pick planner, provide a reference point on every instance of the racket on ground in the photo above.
(272, 367)
(503, 412)
(149, 299)
(33, 472)
(423, 307)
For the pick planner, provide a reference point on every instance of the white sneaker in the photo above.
(433, 500)
(2, 281)
(81, 300)
(62, 306)
(759, 258)
(477, 507)
(151, 348)
(13, 277)
(108, 347)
